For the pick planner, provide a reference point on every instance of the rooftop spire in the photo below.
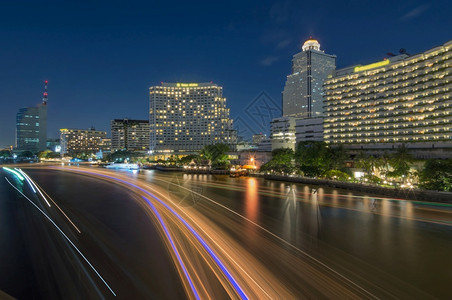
(44, 95)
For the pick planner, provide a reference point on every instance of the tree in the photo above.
(337, 157)
(313, 158)
(121, 156)
(5, 153)
(384, 163)
(401, 162)
(437, 175)
(189, 158)
(48, 154)
(173, 160)
(27, 154)
(369, 163)
(216, 155)
(281, 162)
(337, 175)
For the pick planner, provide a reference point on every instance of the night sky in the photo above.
(100, 58)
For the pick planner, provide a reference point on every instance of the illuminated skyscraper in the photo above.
(31, 126)
(303, 92)
(185, 117)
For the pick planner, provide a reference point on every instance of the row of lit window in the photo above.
(387, 78)
(390, 89)
(398, 66)
(348, 121)
(444, 83)
(330, 139)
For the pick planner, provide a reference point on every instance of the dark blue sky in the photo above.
(100, 58)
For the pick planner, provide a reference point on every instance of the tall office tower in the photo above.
(403, 99)
(129, 134)
(303, 92)
(76, 141)
(184, 117)
(31, 126)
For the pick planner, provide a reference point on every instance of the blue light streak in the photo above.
(173, 246)
(67, 238)
(198, 237)
(208, 249)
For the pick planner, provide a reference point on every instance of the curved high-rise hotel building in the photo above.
(402, 99)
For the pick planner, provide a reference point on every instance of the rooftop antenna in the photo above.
(403, 51)
(44, 95)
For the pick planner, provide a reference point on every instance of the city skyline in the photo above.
(262, 149)
(96, 58)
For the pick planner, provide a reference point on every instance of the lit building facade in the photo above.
(130, 135)
(282, 132)
(184, 117)
(403, 99)
(75, 141)
(303, 93)
(265, 145)
(31, 128)
(258, 138)
(309, 130)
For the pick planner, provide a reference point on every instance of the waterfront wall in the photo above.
(409, 194)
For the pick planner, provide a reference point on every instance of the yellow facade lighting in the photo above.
(372, 66)
(186, 84)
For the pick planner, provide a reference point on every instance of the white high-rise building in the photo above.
(185, 117)
(303, 93)
(400, 100)
(282, 132)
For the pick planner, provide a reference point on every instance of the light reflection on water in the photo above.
(399, 237)
(252, 200)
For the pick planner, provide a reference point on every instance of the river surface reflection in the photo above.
(408, 242)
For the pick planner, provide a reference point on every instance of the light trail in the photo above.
(227, 254)
(338, 284)
(231, 279)
(26, 178)
(31, 182)
(223, 232)
(168, 235)
(280, 239)
(18, 175)
(209, 250)
(69, 219)
(67, 238)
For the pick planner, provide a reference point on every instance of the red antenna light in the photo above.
(45, 94)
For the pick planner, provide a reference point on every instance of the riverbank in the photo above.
(191, 171)
(409, 194)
